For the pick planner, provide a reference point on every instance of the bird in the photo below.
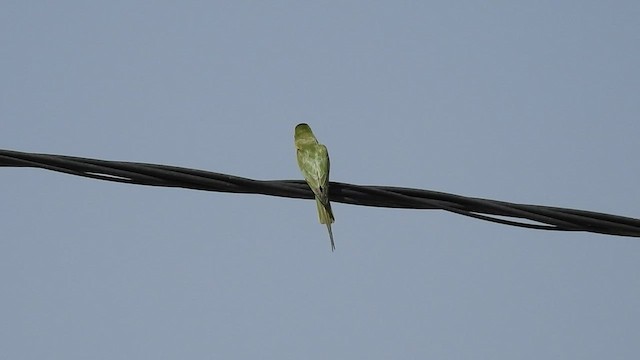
(313, 161)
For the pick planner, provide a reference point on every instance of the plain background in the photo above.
(530, 102)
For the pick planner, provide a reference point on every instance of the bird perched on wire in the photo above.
(313, 160)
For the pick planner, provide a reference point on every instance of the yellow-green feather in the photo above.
(313, 160)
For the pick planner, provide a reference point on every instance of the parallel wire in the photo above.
(544, 217)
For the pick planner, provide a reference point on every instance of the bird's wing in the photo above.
(323, 174)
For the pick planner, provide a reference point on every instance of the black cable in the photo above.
(545, 217)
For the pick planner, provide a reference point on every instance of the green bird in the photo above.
(313, 160)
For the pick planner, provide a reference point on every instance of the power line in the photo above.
(546, 217)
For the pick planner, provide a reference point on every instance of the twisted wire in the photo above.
(543, 217)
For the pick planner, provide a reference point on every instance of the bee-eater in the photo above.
(313, 160)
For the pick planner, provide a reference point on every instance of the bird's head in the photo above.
(304, 135)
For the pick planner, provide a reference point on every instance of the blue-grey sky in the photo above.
(531, 102)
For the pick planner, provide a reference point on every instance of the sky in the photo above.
(527, 102)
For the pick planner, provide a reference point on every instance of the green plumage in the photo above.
(313, 160)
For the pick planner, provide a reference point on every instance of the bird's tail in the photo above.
(333, 245)
(325, 215)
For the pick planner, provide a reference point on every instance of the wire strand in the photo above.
(544, 217)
